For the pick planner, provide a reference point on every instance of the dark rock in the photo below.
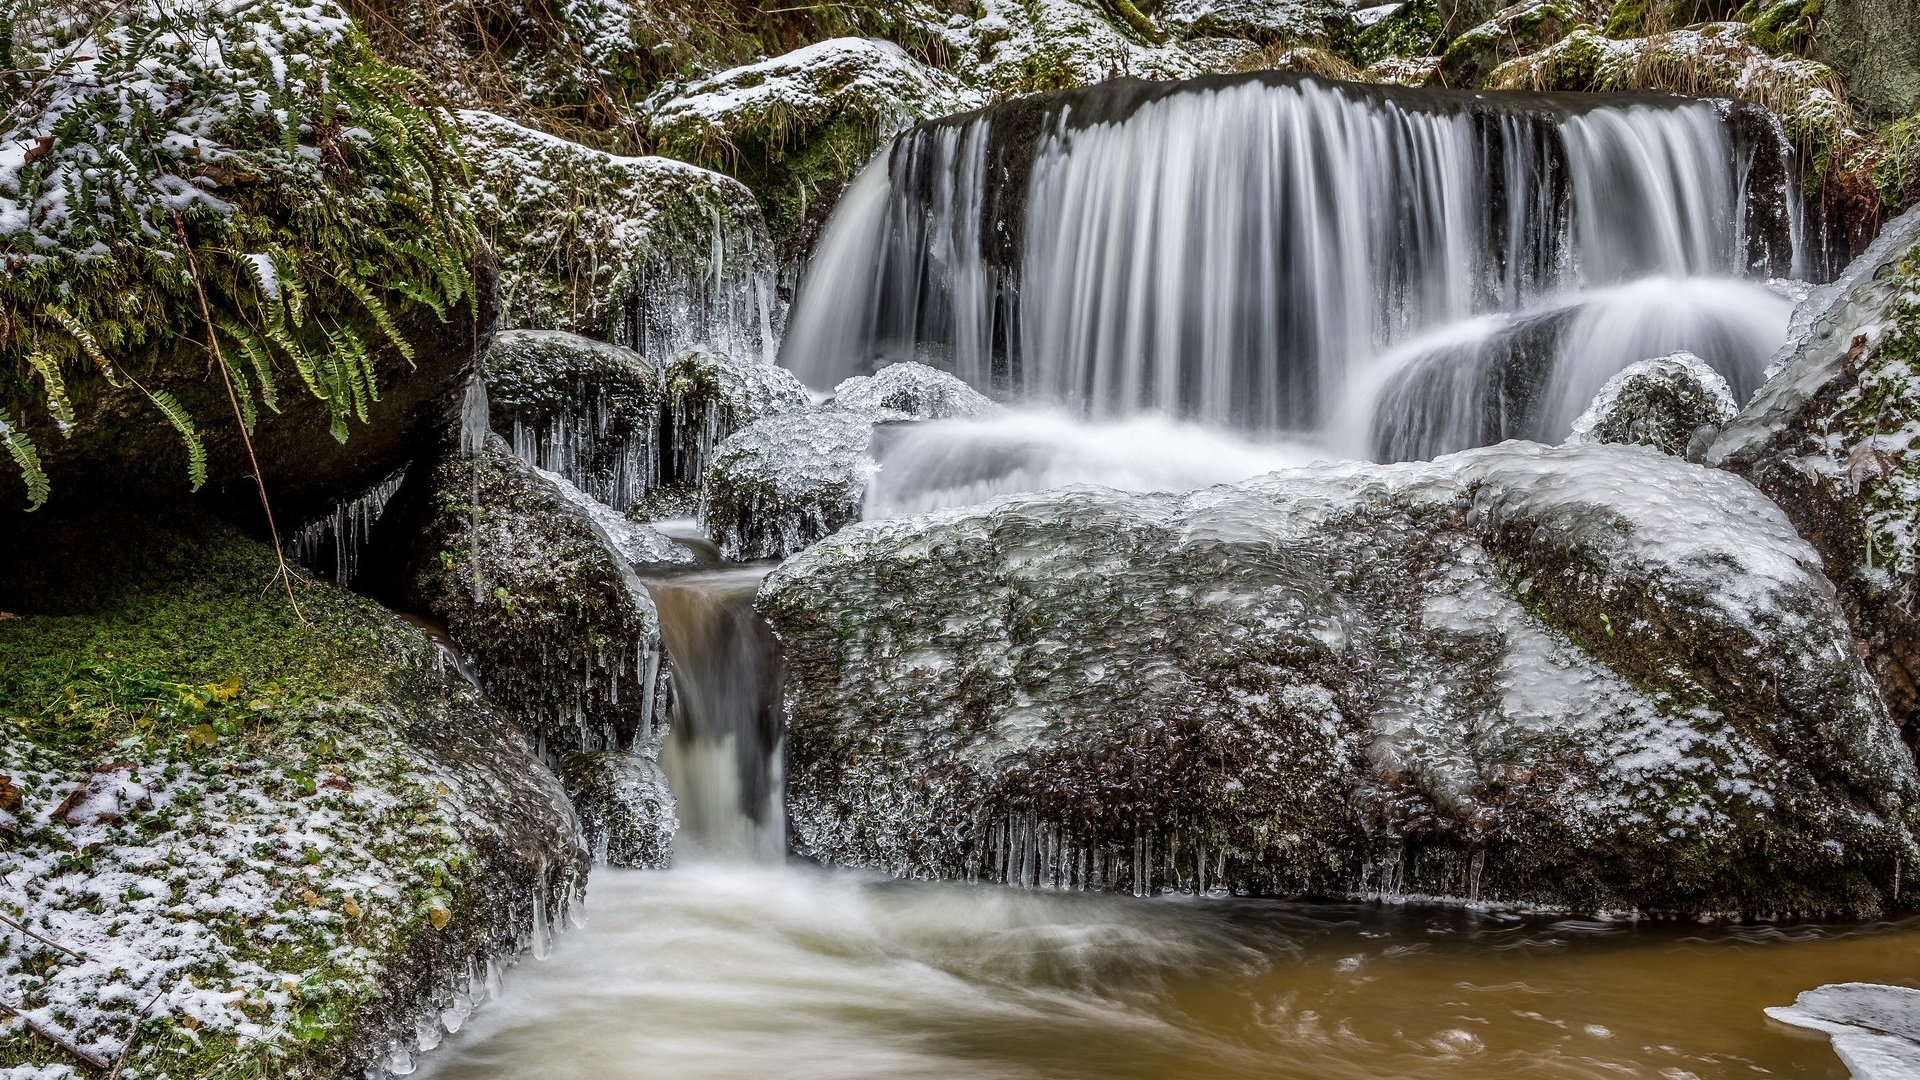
(1591, 676)
(578, 407)
(626, 811)
(1829, 438)
(1663, 403)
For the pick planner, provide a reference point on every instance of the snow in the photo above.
(1875, 1028)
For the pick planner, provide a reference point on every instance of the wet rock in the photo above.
(785, 482)
(1875, 1028)
(578, 407)
(1668, 403)
(562, 633)
(648, 252)
(626, 811)
(1472, 54)
(1518, 673)
(914, 389)
(1831, 438)
(796, 127)
(709, 397)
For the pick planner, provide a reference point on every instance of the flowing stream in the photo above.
(1178, 285)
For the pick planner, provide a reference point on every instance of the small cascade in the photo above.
(1239, 251)
(723, 755)
(331, 545)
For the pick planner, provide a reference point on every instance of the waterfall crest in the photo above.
(1236, 250)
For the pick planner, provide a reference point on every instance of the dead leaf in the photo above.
(10, 797)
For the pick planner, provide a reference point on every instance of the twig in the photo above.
(134, 1035)
(42, 940)
(54, 1038)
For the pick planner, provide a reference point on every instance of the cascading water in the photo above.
(722, 757)
(1244, 251)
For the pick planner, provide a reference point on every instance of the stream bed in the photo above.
(718, 970)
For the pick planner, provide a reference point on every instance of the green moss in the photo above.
(1896, 175)
(1413, 30)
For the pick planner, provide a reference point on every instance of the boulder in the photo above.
(563, 635)
(647, 252)
(1472, 54)
(783, 483)
(637, 542)
(1832, 438)
(578, 407)
(711, 396)
(306, 838)
(626, 811)
(915, 390)
(1670, 403)
(796, 127)
(1872, 44)
(1595, 676)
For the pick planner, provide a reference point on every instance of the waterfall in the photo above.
(722, 757)
(1243, 251)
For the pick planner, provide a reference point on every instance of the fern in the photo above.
(255, 351)
(176, 415)
(381, 317)
(57, 402)
(28, 459)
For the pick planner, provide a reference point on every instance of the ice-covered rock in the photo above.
(1834, 438)
(1596, 676)
(1875, 1028)
(581, 408)
(783, 483)
(709, 397)
(1663, 403)
(913, 388)
(649, 252)
(625, 809)
(797, 126)
(637, 542)
(562, 633)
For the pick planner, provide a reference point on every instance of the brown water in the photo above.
(734, 971)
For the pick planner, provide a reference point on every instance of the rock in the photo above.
(578, 407)
(564, 636)
(1830, 438)
(317, 801)
(637, 542)
(1872, 44)
(626, 811)
(647, 252)
(1409, 32)
(1472, 54)
(796, 127)
(913, 388)
(1518, 673)
(709, 397)
(1875, 1028)
(1267, 22)
(1663, 403)
(783, 483)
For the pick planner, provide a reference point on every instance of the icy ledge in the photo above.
(1875, 1028)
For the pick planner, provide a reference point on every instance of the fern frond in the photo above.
(28, 459)
(255, 351)
(87, 342)
(176, 415)
(57, 402)
(381, 317)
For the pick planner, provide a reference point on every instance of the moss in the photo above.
(1896, 173)
(1413, 30)
(170, 647)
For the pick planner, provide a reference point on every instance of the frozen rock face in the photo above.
(1667, 403)
(913, 388)
(1832, 437)
(564, 636)
(626, 811)
(1594, 676)
(581, 408)
(709, 397)
(796, 127)
(786, 482)
(649, 252)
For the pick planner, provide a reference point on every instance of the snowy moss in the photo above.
(1518, 673)
(1412, 30)
(1524, 27)
(649, 252)
(798, 126)
(578, 407)
(1287, 23)
(783, 483)
(287, 843)
(1669, 403)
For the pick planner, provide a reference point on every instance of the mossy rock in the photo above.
(785, 482)
(1873, 46)
(1472, 55)
(579, 407)
(1508, 674)
(307, 837)
(625, 809)
(646, 252)
(563, 635)
(1671, 404)
(1413, 30)
(709, 398)
(795, 128)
